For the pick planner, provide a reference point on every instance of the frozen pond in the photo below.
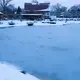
(50, 53)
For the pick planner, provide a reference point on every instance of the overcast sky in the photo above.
(67, 3)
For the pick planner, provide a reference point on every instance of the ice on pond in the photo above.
(46, 52)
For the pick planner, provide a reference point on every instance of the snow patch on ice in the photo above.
(10, 72)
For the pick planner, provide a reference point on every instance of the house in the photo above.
(36, 10)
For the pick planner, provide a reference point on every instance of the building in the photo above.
(36, 10)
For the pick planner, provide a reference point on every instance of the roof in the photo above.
(48, 9)
(40, 6)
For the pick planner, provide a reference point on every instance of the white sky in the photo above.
(67, 3)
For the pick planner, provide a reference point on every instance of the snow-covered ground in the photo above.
(19, 23)
(10, 72)
(24, 23)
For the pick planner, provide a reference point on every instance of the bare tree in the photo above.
(75, 11)
(4, 3)
(58, 9)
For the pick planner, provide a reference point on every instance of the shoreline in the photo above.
(18, 23)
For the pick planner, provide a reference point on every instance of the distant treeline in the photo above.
(62, 11)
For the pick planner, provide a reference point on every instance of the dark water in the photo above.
(50, 53)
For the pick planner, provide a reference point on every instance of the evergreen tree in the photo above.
(19, 10)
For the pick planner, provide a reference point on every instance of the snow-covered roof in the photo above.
(48, 9)
(40, 6)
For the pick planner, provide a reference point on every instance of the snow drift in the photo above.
(10, 72)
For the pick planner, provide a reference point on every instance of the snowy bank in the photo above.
(9, 72)
(24, 23)
(19, 23)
